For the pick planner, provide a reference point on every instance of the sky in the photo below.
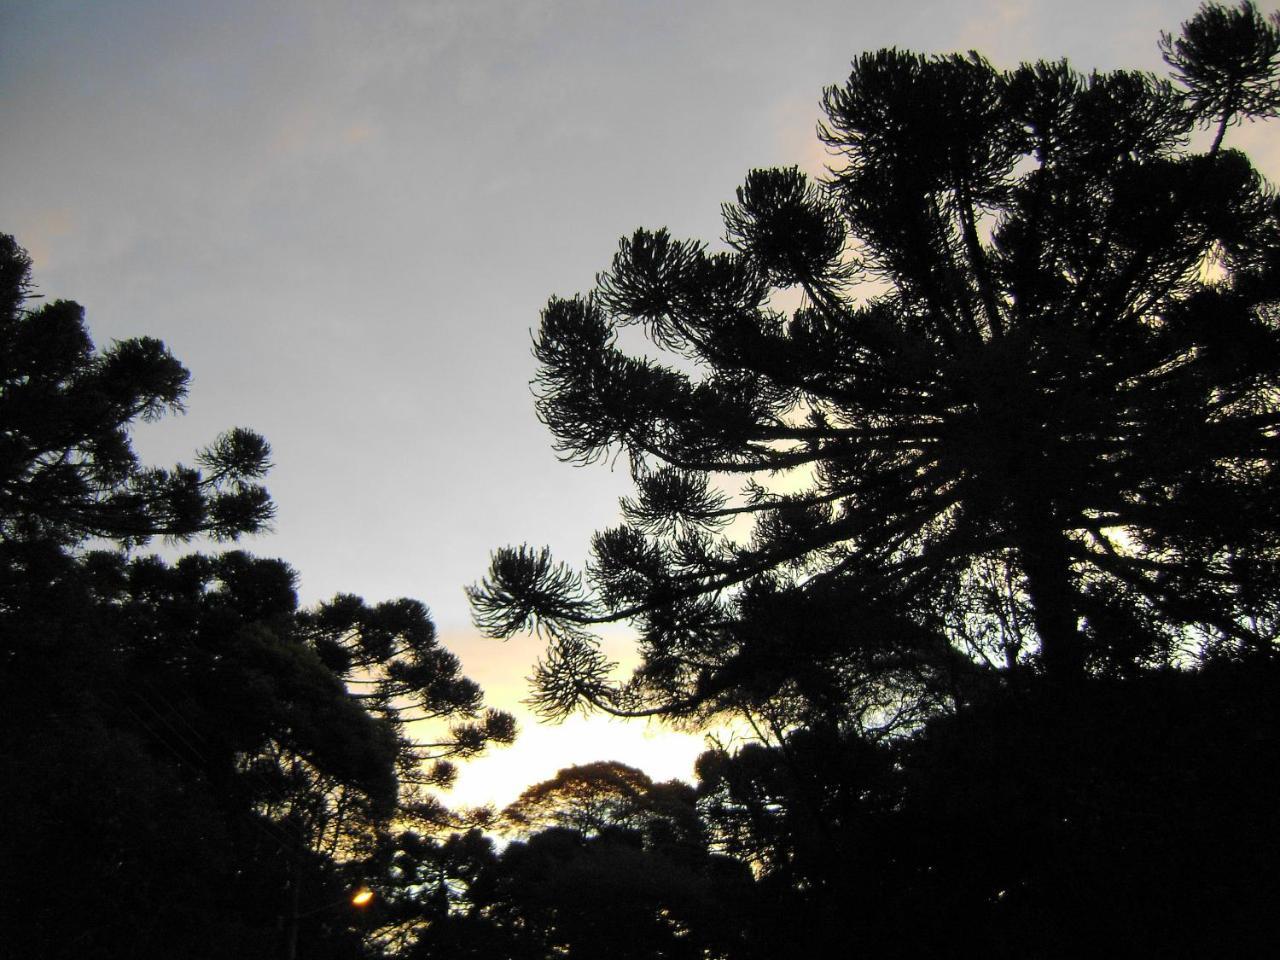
(344, 217)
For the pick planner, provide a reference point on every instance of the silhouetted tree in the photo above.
(67, 467)
(817, 816)
(607, 795)
(998, 597)
(1023, 417)
(179, 752)
(1227, 59)
(187, 769)
(607, 863)
(1116, 817)
(179, 761)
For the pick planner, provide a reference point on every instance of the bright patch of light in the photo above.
(361, 897)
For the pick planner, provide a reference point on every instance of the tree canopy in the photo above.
(199, 766)
(955, 487)
(69, 469)
(994, 600)
(604, 863)
(607, 795)
(1021, 417)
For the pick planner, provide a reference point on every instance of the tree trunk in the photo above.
(1047, 568)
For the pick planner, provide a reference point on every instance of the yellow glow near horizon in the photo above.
(542, 749)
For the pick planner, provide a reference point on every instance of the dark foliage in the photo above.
(186, 769)
(996, 599)
(68, 471)
(1126, 818)
(182, 759)
(1024, 416)
(1000, 614)
(608, 864)
(595, 798)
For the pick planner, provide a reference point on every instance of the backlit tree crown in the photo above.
(1045, 439)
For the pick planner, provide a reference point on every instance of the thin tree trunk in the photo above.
(1047, 569)
(295, 901)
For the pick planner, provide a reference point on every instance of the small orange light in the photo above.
(362, 897)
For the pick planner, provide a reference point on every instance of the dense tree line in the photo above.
(976, 549)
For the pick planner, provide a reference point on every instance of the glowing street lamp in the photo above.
(362, 897)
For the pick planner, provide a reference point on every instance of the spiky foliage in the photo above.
(1227, 59)
(389, 656)
(68, 471)
(1045, 439)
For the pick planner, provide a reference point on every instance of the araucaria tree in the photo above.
(68, 471)
(1023, 420)
(192, 764)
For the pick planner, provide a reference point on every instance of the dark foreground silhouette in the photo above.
(985, 556)
(192, 766)
(997, 626)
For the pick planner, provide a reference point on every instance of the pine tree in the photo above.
(68, 471)
(1023, 420)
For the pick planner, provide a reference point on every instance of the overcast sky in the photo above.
(344, 218)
